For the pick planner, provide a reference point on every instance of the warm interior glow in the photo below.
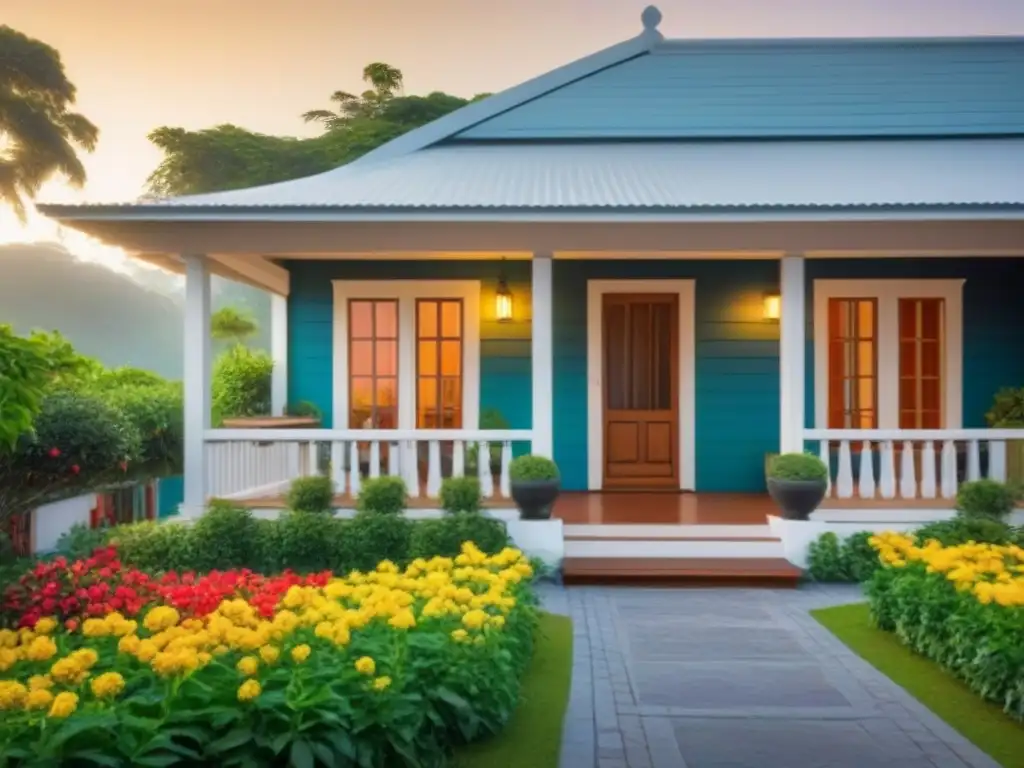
(772, 306)
(503, 305)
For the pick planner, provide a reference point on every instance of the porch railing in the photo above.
(909, 463)
(256, 463)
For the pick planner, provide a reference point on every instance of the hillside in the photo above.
(117, 318)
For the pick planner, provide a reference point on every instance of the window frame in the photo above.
(407, 293)
(887, 294)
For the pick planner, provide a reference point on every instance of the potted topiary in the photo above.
(797, 483)
(535, 486)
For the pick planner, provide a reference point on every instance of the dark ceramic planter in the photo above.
(797, 498)
(535, 497)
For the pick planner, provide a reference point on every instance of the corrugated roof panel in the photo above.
(664, 175)
(757, 88)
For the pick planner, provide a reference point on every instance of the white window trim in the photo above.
(888, 293)
(406, 292)
(685, 290)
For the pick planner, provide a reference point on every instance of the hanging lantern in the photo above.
(503, 299)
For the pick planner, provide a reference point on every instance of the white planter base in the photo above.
(797, 535)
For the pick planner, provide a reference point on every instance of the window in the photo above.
(439, 364)
(373, 364)
(921, 346)
(853, 364)
(888, 354)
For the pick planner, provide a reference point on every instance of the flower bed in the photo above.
(388, 667)
(962, 606)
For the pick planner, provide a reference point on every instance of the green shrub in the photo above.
(797, 466)
(446, 535)
(825, 559)
(1007, 408)
(308, 541)
(987, 499)
(961, 530)
(153, 547)
(222, 537)
(860, 559)
(461, 494)
(383, 496)
(311, 494)
(305, 409)
(267, 546)
(533, 468)
(80, 540)
(156, 411)
(369, 538)
(241, 383)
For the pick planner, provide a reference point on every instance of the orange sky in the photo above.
(139, 64)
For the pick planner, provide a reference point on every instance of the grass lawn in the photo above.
(980, 722)
(533, 738)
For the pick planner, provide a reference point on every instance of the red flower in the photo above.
(75, 469)
(54, 452)
(71, 625)
(124, 466)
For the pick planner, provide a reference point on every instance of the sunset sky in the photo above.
(140, 64)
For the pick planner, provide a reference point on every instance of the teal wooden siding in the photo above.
(757, 88)
(993, 319)
(505, 381)
(737, 366)
(170, 494)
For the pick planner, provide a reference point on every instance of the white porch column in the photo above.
(792, 331)
(196, 382)
(542, 357)
(279, 353)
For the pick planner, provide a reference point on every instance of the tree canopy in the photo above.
(229, 157)
(40, 135)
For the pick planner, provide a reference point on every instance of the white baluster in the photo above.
(908, 480)
(338, 467)
(997, 460)
(826, 459)
(354, 480)
(887, 477)
(458, 458)
(313, 451)
(374, 458)
(948, 474)
(506, 465)
(483, 465)
(928, 483)
(393, 459)
(973, 461)
(411, 469)
(433, 469)
(844, 475)
(866, 484)
(304, 460)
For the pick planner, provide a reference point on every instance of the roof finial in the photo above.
(651, 18)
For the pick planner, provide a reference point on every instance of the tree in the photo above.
(39, 134)
(232, 324)
(229, 157)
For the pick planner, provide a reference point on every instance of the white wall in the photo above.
(50, 521)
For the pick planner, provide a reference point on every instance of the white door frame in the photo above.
(685, 290)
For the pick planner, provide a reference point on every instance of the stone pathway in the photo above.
(667, 678)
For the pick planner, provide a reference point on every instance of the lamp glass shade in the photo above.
(772, 306)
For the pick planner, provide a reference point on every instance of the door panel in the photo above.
(641, 414)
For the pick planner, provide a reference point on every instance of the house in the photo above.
(660, 263)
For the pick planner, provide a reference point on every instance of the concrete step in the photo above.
(679, 547)
(653, 532)
(768, 572)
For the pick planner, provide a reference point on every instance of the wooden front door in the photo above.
(641, 401)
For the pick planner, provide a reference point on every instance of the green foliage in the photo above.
(306, 409)
(311, 494)
(24, 373)
(154, 547)
(532, 468)
(223, 537)
(445, 535)
(980, 643)
(986, 498)
(241, 383)
(797, 466)
(461, 494)
(310, 542)
(369, 538)
(40, 134)
(1007, 408)
(156, 411)
(960, 530)
(232, 324)
(852, 559)
(383, 496)
(80, 540)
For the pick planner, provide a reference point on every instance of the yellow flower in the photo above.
(8, 658)
(474, 619)
(129, 644)
(38, 699)
(381, 683)
(497, 621)
(248, 665)
(300, 653)
(8, 639)
(12, 694)
(146, 651)
(45, 625)
(63, 705)
(269, 654)
(460, 635)
(40, 683)
(107, 685)
(366, 666)
(249, 690)
(41, 649)
(160, 618)
(84, 657)
(404, 619)
(69, 671)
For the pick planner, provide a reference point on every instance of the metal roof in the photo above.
(656, 176)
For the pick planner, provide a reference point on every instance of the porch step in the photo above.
(701, 547)
(767, 572)
(667, 531)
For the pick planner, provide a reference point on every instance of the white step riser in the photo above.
(640, 548)
(654, 532)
